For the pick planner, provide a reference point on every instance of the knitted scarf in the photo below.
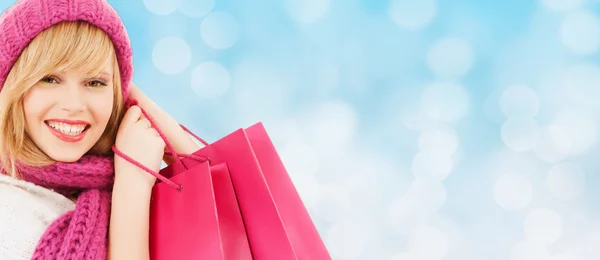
(82, 232)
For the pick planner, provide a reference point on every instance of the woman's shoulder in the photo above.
(26, 210)
(23, 192)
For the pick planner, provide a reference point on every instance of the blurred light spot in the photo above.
(404, 256)
(543, 225)
(166, 26)
(334, 204)
(171, 55)
(412, 15)
(563, 256)
(510, 161)
(364, 188)
(513, 191)
(307, 11)
(579, 87)
(562, 5)
(196, 8)
(348, 239)
(377, 248)
(581, 126)
(162, 7)
(430, 194)
(566, 181)
(428, 243)
(445, 102)
(519, 101)
(520, 134)
(492, 110)
(580, 32)
(219, 30)
(450, 58)
(333, 123)
(414, 117)
(461, 244)
(299, 158)
(210, 80)
(529, 250)
(432, 165)
(591, 241)
(442, 140)
(406, 214)
(554, 144)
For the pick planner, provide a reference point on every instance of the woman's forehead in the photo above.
(105, 68)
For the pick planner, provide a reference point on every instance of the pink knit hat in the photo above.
(24, 20)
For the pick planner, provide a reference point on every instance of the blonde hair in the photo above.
(65, 46)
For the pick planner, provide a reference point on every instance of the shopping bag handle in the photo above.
(171, 151)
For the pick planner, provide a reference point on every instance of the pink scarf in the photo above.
(82, 232)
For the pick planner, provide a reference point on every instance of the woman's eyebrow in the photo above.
(106, 73)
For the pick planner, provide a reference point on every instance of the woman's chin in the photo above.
(66, 157)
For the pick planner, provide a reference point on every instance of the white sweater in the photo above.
(26, 210)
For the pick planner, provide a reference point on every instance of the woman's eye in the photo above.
(48, 79)
(97, 83)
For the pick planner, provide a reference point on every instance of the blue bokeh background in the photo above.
(413, 130)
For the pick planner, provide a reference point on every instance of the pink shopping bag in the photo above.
(200, 221)
(277, 223)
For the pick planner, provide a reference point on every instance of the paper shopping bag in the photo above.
(234, 239)
(294, 217)
(201, 220)
(276, 221)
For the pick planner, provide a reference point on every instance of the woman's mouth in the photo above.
(69, 131)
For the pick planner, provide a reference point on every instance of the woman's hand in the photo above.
(179, 139)
(137, 139)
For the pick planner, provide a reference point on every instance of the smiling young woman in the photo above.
(65, 73)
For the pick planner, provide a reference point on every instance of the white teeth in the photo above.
(67, 128)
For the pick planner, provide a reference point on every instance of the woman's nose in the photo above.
(72, 100)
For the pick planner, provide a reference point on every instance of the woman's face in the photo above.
(66, 113)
